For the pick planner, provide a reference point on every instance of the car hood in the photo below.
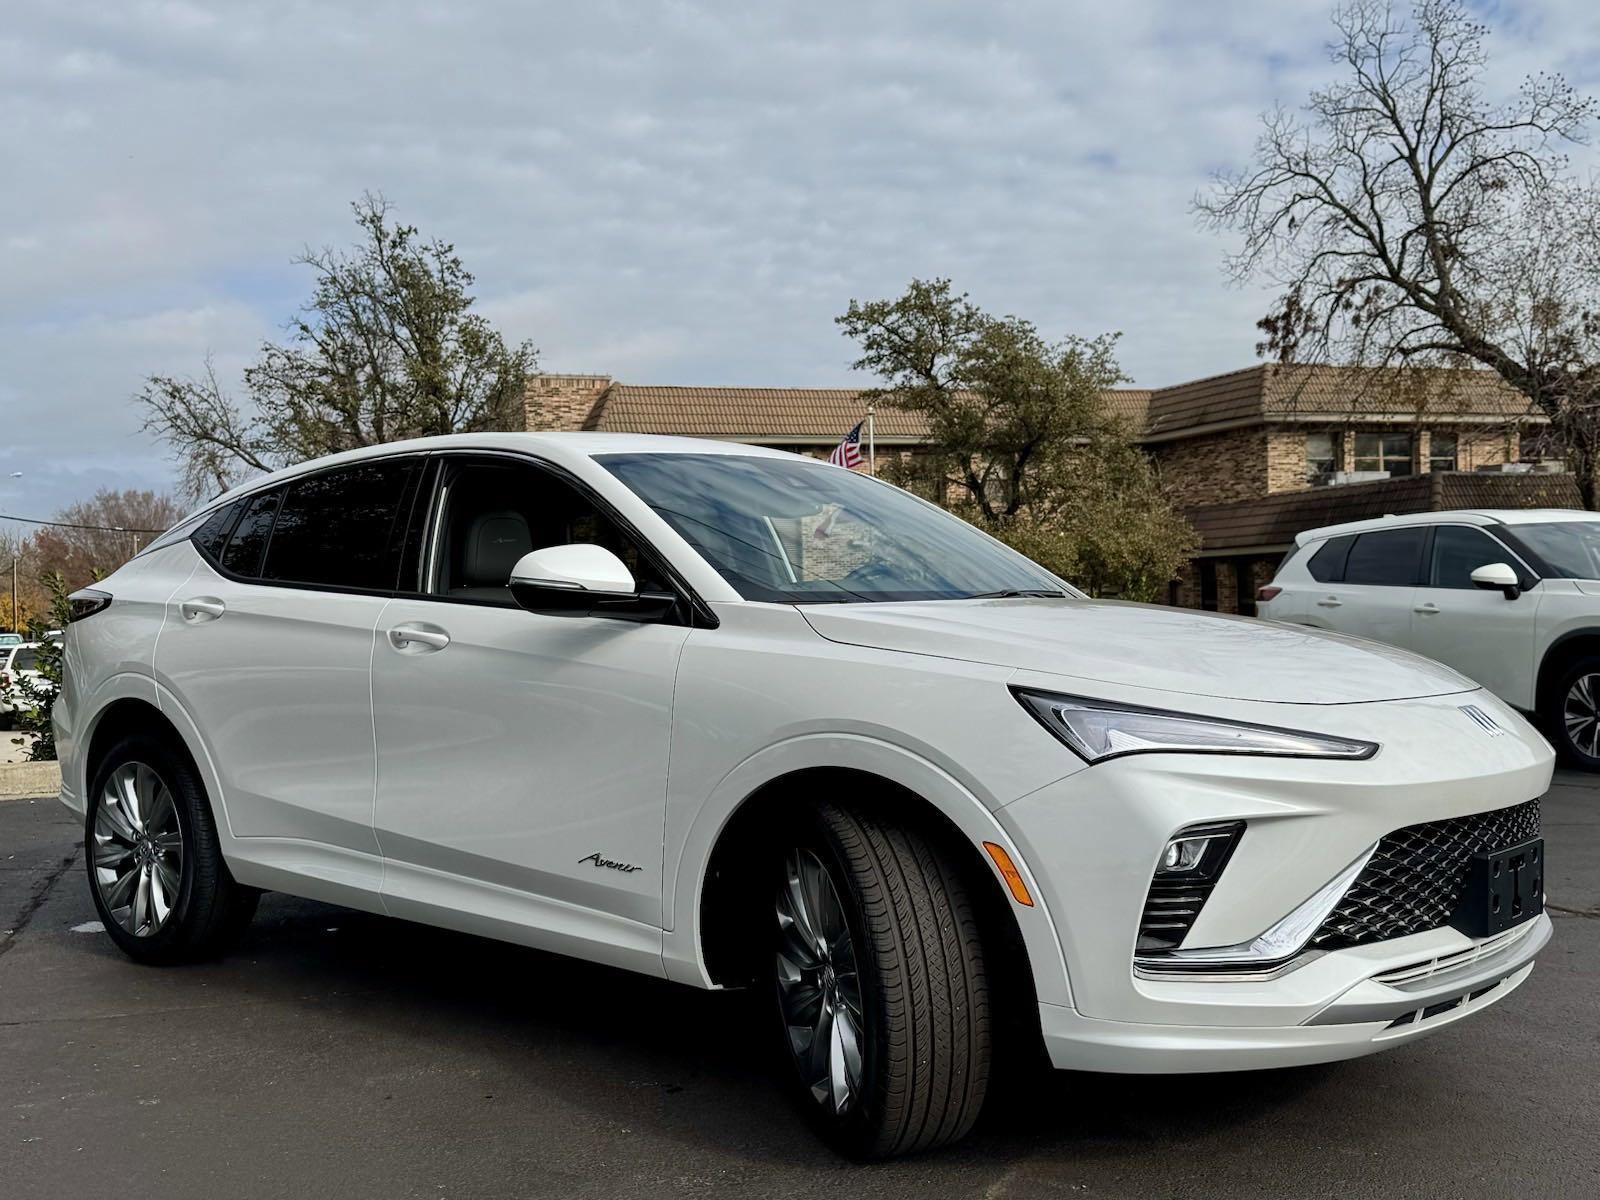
(1145, 646)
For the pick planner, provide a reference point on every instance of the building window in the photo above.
(1389, 452)
(1324, 456)
(1442, 452)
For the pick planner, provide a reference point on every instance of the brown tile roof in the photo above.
(1272, 521)
(1287, 391)
(821, 414)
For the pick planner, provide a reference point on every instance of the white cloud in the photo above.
(671, 192)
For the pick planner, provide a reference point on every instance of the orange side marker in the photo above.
(1009, 872)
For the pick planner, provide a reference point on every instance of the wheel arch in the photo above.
(743, 811)
(1558, 656)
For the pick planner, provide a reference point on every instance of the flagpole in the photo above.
(872, 442)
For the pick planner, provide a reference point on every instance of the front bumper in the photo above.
(1091, 841)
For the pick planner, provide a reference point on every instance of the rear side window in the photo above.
(1387, 557)
(1458, 551)
(242, 554)
(342, 528)
(1327, 564)
(25, 660)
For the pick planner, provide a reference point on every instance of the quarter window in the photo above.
(212, 535)
(1327, 564)
(1389, 452)
(1387, 557)
(342, 528)
(1459, 551)
(243, 553)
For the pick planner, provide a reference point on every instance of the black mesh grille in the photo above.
(1416, 876)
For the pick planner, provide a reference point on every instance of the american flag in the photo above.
(848, 452)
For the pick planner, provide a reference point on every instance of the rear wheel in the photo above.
(882, 997)
(1572, 713)
(155, 868)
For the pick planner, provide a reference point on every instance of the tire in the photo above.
(909, 983)
(155, 868)
(1571, 713)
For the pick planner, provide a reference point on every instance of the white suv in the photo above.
(1509, 598)
(738, 718)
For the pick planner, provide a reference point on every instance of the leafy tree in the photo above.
(99, 535)
(1412, 221)
(1020, 439)
(386, 348)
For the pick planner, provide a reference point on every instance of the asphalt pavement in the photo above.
(344, 1055)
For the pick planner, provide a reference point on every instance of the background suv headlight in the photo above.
(1098, 730)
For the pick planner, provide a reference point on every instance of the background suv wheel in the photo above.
(1572, 713)
(882, 998)
(155, 869)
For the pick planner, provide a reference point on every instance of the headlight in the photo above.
(1098, 730)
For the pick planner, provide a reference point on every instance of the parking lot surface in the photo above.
(338, 1054)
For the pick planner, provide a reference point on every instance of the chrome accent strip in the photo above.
(1449, 986)
(1269, 954)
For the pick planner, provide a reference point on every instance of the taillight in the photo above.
(86, 603)
(5, 680)
(1263, 594)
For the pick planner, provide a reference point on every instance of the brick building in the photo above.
(1252, 456)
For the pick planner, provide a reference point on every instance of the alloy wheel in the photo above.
(138, 849)
(819, 986)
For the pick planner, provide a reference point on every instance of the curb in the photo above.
(29, 779)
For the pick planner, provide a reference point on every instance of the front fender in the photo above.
(682, 954)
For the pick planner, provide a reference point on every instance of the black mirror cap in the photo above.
(552, 601)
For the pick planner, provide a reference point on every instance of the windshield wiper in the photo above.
(1014, 593)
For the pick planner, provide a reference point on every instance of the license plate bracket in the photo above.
(1504, 889)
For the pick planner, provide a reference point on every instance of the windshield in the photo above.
(25, 660)
(795, 532)
(1569, 548)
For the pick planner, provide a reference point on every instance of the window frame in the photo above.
(1335, 452)
(1455, 453)
(1383, 456)
(690, 609)
(243, 500)
(398, 528)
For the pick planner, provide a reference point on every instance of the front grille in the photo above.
(1416, 877)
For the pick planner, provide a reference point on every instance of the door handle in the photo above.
(1329, 602)
(202, 608)
(1430, 607)
(418, 639)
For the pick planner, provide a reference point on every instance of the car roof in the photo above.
(563, 449)
(1453, 516)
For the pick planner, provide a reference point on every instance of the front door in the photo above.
(521, 758)
(1480, 633)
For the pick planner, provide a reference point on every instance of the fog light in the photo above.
(1188, 852)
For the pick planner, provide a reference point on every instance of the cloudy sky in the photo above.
(664, 192)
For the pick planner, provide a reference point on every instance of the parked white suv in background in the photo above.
(18, 661)
(1509, 598)
(734, 717)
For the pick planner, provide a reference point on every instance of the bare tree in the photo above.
(386, 348)
(1411, 221)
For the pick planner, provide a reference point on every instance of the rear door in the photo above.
(1370, 592)
(269, 646)
(1480, 633)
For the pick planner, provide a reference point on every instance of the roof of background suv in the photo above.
(1461, 516)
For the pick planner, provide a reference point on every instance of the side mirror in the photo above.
(582, 580)
(1498, 577)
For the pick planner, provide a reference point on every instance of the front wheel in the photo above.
(882, 997)
(1572, 714)
(156, 872)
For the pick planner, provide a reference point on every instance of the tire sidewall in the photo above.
(1555, 714)
(856, 1131)
(184, 789)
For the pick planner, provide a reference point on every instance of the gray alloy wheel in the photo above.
(819, 985)
(138, 847)
(1580, 714)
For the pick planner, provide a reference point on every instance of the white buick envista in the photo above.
(734, 717)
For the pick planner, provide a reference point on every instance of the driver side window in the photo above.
(488, 513)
